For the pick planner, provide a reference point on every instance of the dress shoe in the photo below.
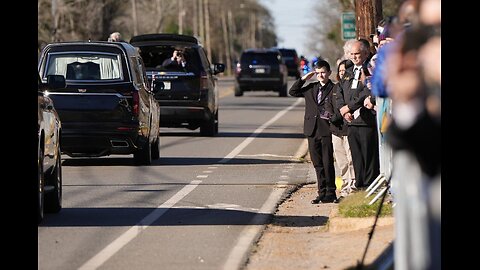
(317, 200)
(329, 200)
(339, 199)
(320, 200)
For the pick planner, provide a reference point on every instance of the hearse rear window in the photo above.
(84, 66)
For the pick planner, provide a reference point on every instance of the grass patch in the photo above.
(356, 205)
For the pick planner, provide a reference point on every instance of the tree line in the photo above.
(224, 28)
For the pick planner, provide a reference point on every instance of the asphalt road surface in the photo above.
(200, 206)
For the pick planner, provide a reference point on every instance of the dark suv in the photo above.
(261, 69)
(292, 61)
(107, 106)
(189, 97)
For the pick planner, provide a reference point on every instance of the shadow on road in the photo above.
(235, 135)
(92, 217)
(170, 161)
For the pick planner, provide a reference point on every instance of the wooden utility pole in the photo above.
(368, 13)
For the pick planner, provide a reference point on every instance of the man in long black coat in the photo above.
(317, 128)
(351, 93)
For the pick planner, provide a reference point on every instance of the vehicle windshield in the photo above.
(84, 66)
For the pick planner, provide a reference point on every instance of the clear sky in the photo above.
(292, 19)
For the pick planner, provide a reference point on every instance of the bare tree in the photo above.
(207, 29)
(325, 40)
(226, 42)
(181, 13)
(63, 20)
(134, 17)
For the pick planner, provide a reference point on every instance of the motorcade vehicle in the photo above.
(189, 96)
(49, 128)
(261, 69)
(107, 106)
(292, 61)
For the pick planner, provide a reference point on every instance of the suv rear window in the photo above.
(153, 57)
(84, 66)
(268, 58)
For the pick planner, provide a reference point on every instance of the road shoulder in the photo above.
(298, 238)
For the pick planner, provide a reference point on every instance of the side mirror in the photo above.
(218, 68)
(158, 86)
(56, 81)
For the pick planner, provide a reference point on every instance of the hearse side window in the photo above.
(84, 66)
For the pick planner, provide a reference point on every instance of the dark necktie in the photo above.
(355, 70)
(319, 96)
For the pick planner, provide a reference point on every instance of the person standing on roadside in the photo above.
(341, 148)
(362, 125)
(317, 128)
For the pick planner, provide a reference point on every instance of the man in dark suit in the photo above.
(362, 125)
(317, 128)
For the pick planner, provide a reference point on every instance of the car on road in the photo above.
(292, 61)
(189, 96)
(107, 106)
(261, 69)
(49, 128)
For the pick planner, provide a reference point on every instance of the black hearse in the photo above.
(107, 106)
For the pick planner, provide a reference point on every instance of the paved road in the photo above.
(199, 207)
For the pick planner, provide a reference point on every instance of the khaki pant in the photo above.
(343, 157)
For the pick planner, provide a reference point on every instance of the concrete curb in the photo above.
(340, 224)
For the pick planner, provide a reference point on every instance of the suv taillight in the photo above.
(238, 69)
(203, 81)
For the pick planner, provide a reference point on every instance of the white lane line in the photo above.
(207, 171)
(251, 232)
(259, 130)
(202, 176)
(101, 257)
(266, 155)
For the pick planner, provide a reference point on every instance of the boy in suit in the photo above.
(317, 128)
